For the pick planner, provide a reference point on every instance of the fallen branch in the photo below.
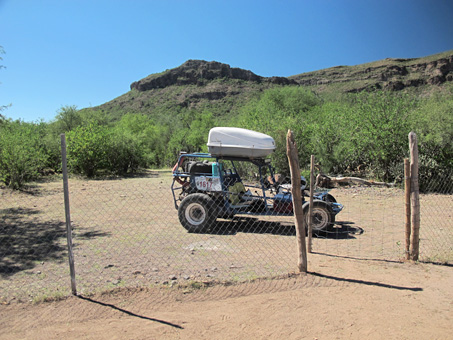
(325, 181)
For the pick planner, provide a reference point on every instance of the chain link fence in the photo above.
(436, 218)
(127, 232)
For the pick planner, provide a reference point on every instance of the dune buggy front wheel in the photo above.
(322, 217)
(197, 212)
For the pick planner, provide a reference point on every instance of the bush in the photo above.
(123, 152)
(87, 149)
(94, 148)
(379, 126)
(434, 128)
(278, 110)
(22, 155)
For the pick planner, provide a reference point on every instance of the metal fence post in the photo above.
(67, 213)
(415, 198)
(310, 207)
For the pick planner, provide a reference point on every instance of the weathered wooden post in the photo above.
(64, 165)
(310, 207)
(293, 159)
(407, 198)
(415, 198)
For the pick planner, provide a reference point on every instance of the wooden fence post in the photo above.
(415, 198)
(407, 192)
(64, 164)
(293, 159)
(310, 207)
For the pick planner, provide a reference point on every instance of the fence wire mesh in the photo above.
(436, 218)
(128, 233)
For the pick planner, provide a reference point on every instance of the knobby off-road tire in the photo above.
(197, 212)
(322, 216)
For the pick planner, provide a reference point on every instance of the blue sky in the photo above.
(87, 52)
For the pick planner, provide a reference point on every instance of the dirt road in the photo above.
(341, 298)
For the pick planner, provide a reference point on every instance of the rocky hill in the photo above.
(392, 74)
(200, 73)
(196, 84)
(199, 84)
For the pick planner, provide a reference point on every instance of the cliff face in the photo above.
(392, 74)
(200, 72)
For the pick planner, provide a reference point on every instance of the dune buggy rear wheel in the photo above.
(322, 217)
(197, 213)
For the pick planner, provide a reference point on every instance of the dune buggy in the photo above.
(206, 187)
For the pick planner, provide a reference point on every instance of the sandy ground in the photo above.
(341, 298)
(126, 233)
(127, 237)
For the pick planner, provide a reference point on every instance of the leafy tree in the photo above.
(22, 155)
(152, 138)
(2, 107)
(199, 130)
(96, 117)
(379, 125)
(123, 152)
(67, 119)
(434, 120)
(191, 136)
(51, 141)
(329, 137)
(87, 149)
(434, 128)
(278, 110)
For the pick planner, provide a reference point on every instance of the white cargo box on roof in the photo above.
(238, 142)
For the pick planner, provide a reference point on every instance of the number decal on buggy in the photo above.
(204, 183)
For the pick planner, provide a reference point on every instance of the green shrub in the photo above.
(434, 128)
(124, 152)
(87, 149)
(22, 155)
(276, 111)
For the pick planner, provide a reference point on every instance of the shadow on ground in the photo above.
(368, 283)
(129, 313)
(342, 230)
(27, 240)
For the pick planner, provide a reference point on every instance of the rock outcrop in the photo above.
(391, 74)
(199, 72)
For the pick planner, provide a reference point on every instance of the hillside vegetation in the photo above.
(350, 117)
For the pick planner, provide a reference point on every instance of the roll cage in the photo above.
(211, 175)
